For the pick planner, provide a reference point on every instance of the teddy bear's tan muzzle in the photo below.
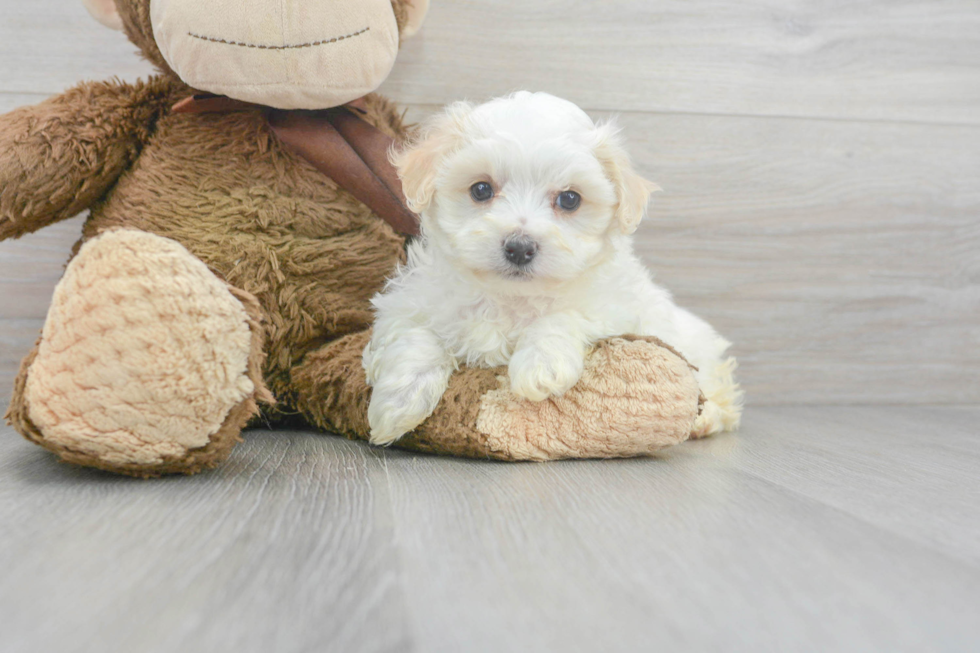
(287, 54)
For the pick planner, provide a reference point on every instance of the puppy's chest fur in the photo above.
(485, 330)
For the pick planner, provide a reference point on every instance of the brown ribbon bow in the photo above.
(337, 143)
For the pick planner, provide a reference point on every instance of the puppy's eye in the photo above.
(481, 191)
(568, 200)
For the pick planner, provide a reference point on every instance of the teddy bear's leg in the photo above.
(147, 363)
(330, 386)
(635, 397)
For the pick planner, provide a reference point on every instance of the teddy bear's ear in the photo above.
(632, 191)
(417, 9)
(105, 12)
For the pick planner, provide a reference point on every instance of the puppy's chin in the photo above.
(495, 276)
(518, 275)
(545, 277)
(518, 283)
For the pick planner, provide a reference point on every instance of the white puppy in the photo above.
(525, 260)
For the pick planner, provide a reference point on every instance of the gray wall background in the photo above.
(820, 163)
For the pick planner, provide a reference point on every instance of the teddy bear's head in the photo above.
(288, 54)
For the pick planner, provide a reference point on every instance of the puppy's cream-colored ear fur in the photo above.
(417, 9)
(105, 12)
(632, 190)
(417, 162)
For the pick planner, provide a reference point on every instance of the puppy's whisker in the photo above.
(555, 233)
(493, 220)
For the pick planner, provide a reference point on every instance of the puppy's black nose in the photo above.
(520, 250)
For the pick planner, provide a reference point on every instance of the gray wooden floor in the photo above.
(815, 528)
(821, 172)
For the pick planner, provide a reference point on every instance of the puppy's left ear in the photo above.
(417, 162)
(632, 190)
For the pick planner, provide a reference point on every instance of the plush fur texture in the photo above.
(218, 198)
(144, 357)
(143, 346)
(466, 297)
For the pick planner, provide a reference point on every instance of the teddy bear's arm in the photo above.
(60, 156)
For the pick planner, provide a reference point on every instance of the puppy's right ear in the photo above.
(417, 162)
(105, 12)
(632, 190)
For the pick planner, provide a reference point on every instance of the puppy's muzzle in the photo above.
(520, 251)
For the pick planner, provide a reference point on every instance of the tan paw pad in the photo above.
(143, 354)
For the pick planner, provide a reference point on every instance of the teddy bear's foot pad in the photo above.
(143, 363)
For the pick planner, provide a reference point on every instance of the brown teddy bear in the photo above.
(218, 270)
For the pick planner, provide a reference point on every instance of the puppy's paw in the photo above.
(537, 373)
(398, 405)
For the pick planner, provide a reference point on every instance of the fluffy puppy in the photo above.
(525, 260)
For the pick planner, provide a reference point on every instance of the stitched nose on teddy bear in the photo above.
(278, 52)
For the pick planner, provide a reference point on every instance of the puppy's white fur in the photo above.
(458, 300)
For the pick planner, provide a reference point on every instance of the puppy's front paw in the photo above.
(537, 373)
(398, 405)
